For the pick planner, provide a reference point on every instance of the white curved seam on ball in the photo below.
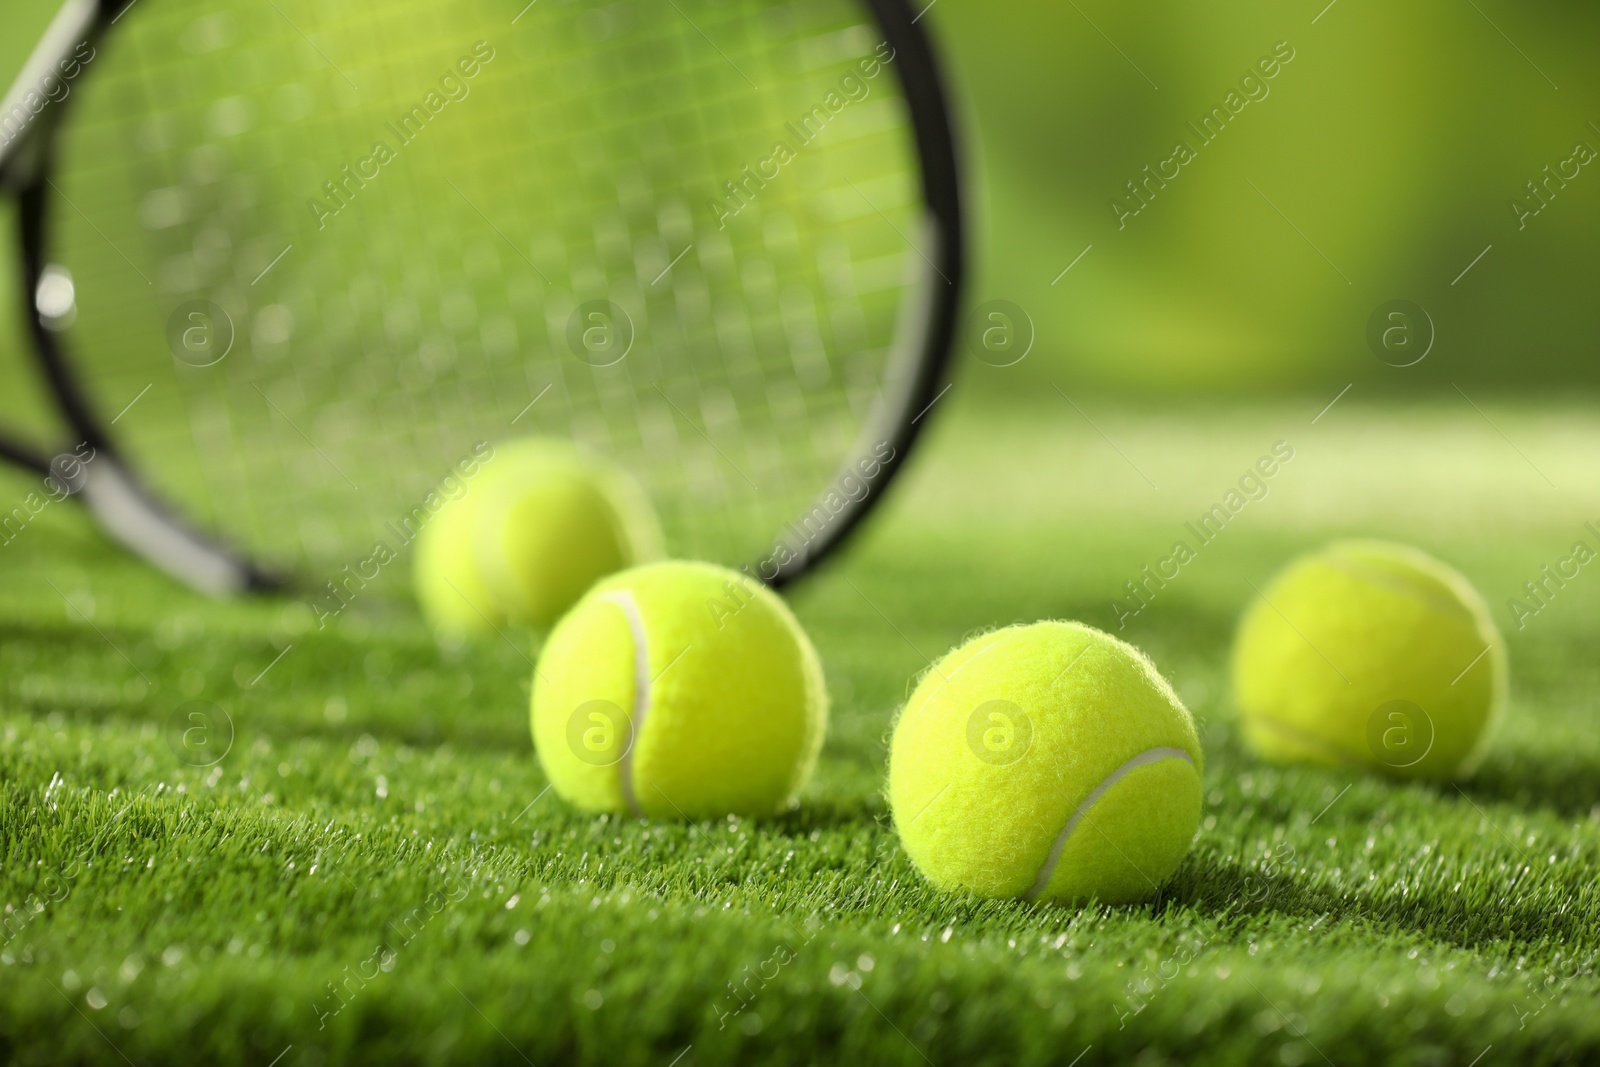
(1359, 569)
(946, 679)
(975, 657)
(641, 693)
(1143, 759)
(1320, 745)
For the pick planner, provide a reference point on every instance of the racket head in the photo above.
(316, 259)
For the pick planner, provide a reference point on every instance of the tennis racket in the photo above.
(289, 265)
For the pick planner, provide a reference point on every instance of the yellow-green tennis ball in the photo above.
(679, 690)
(551, 523)
(449, 583)
(539, 525)
(1049, 761)
(1372, 655)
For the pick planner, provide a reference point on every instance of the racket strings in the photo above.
(429, 301)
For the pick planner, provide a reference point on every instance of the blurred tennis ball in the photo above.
(1049, 761)
(679, 690)
(1374, 655)
(534, 530)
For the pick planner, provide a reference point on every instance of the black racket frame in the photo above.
(137, 517)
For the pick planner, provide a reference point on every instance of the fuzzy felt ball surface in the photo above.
(679, 690)
(1049, 761)
(1370, 655)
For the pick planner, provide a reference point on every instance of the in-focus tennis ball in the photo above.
(535, 529)
(1373, 655)
(679, 690)
(1048, 761)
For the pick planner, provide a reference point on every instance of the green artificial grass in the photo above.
(375, 872)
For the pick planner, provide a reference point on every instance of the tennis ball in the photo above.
(1371, 655)
(539, 525)
(1049, 761)
(449, 586)
(554, 521)
(679, 690)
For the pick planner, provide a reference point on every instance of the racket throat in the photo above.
(126, 512)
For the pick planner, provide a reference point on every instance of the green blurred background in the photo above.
(1394, 142)
(1383, 160)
